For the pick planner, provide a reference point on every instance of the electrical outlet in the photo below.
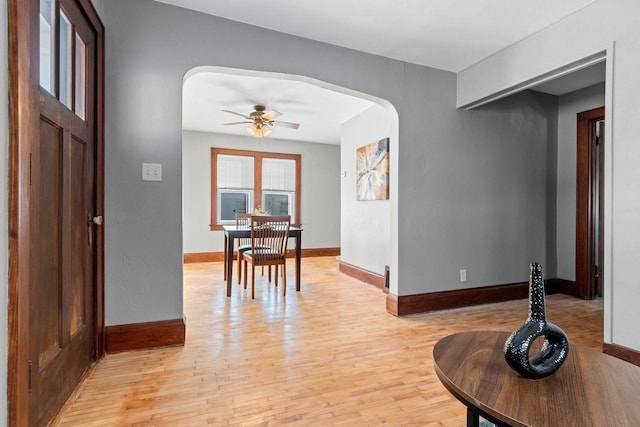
(151, 172)
(463, 275)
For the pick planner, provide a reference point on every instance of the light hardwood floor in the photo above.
(328, 355)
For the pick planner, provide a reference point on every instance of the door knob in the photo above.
(97, 220)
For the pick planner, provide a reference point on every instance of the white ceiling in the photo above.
(446, 34)
(580, 79)
(320, 112)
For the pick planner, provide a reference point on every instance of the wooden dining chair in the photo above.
(244, 244)
(269, 236)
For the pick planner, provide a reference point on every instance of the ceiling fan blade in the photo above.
(271, 115)
(237, 114)
(236, 123)
(284, 124)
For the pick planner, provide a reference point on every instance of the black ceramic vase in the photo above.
(556, 345)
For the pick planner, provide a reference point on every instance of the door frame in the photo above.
(585, 221)
(23, 32)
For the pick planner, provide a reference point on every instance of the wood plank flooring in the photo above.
(329, 355)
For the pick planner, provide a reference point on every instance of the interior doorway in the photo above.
(590, 203)
(221, 87)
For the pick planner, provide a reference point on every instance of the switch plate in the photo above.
(463, 275)
(151, 172)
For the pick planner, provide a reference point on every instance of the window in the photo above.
(47, 46)
(235, 185)
(81, 76)
(66, 72)
(278, 186)
(277, 204)
(243, 180)
(231, 203)
(63, 58)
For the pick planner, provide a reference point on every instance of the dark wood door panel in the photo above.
(53, 382)
(45, 289)
(78, 239)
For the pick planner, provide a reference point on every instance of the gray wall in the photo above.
(474, 191)
(320, 184)
(471, 184)
(568, 107)
(4, 222)
(365, 238)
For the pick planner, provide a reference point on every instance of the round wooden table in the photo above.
(589, 389)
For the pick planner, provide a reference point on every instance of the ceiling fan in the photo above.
(260, 122)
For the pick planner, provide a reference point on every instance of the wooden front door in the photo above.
(58, 206)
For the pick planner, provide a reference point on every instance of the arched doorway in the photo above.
(213, 89)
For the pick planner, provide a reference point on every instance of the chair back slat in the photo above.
(269, 237)
(243, 220)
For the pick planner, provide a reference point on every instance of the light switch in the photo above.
(151, 172)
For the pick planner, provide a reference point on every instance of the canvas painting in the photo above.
(372, 169)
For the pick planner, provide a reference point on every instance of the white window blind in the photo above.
(235, 172)
(278, 174)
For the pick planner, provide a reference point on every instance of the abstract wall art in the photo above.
(372, 171)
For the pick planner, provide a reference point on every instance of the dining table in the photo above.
(233, 232)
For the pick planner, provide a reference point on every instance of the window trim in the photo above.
(257, 180)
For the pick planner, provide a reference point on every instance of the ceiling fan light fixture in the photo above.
(260, 122)
(258, 130)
